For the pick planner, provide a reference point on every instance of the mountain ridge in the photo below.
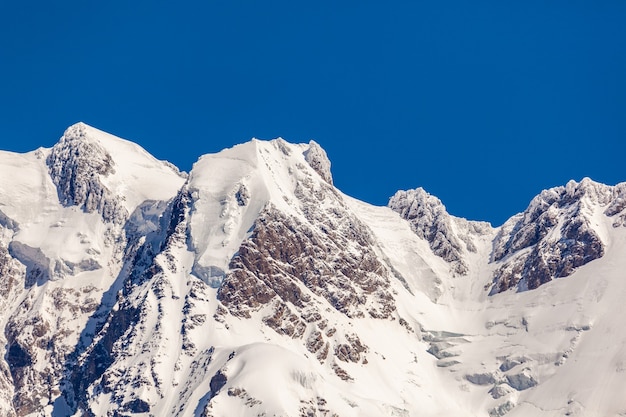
(131, 288)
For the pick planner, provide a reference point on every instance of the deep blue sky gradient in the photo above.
(482, 103)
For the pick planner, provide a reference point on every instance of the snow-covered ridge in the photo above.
(231, 188)
(253, 286)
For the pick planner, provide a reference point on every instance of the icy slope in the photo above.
(254, 287)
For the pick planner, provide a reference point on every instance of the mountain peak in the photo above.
(127, 288)
(236, 184)
(102, 173)
(76, 164)
(81, 131)
(78, 126)
(596, 192)
(561, 230)
(313, 153)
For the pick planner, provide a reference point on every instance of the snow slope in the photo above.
(254, 287)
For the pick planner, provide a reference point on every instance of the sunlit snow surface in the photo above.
(554, 351)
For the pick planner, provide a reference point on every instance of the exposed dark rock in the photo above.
(217, 383)
(315, 341)
(242, 195)
(285, 258)
(18, 357)
(529, 228)
(284, 321)
(29, 338)
(10, 272)
(430, 221)
(76, 164)
(317, 345)
(243, 395)
(350, 351)
(29, 390)
(318, 160)
(315, 408)
(617, 203)
(102, 354)
(549, 240)
(137, 406)
(341, 373)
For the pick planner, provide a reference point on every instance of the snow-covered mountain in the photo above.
(253, 287)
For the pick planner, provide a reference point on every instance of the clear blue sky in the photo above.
(482, 103)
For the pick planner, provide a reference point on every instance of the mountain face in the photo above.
(253, 287)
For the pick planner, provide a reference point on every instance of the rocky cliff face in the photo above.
(556, 234)
(449, 238)
(254, 287)
(77, 163)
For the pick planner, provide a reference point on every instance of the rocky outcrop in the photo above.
(11, 286)
(289, 260)
(38, 347)
(295, 266)
(430, 221)
(551, 238)
(324, 252)
(318, 160)
(617, 206)
(76, 165)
